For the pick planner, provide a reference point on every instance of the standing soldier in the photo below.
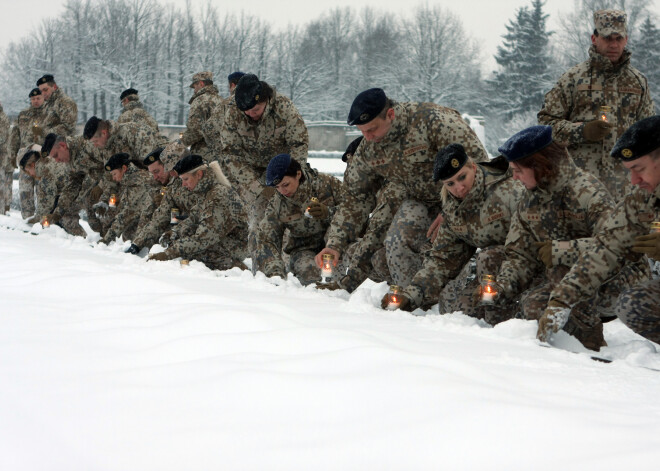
(627, 235)
(204, 101)
(260, 124)
(176, 197)
(596, 101)
(60, 111)
(27, 130)
(394, 161)
(133, 110)
(6, 164)
(216, 230)
(135, 200)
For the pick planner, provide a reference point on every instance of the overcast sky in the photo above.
(484, 20)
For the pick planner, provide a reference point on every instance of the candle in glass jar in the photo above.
(394, 298)
(112, 202)
(327, 268)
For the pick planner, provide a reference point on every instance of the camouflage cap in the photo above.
(608, 22)
(208, 76)
(638, 140)
(172, 154)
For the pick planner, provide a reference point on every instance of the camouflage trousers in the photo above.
(458, 295)
(255, 213)
(27, 198)
(639, 309)
(406, 241)
(6, 182)
(228, 253)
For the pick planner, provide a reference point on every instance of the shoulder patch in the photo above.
(412, 150)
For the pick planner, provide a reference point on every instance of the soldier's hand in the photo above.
(37, 132)
(596, 130)
(329, 286)
(100, 209)
(648, 244)
(319, 256)
(166, 239)
(432, 233)
(54, 218)
(318, 210)
(544, 252)
(33, 220)
(476, 296)
(159, 257)
(158, 198)
(133, 249)
(554, 317)
(95, 194)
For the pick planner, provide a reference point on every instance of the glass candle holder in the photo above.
(327, 268)
(185, 262)
(605, 113)
(112, 202)
(174, 216)
(313, 199)
(45, 222)
(488, 290)
(394, 297)
(163, 190)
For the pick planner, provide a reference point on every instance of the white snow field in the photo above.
(109, 362)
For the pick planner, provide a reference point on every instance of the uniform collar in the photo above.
(600, 62)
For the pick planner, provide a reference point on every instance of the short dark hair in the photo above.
(389, 103)
(266, 93)
(292, 170)
(545, 162)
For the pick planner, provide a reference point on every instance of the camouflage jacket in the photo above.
(403, 160)
(176, 196)
(134, 112)
(480, 220)
(218, 214)
(86, 170)
(568, 212)
(136, 139)
(248, 146)
(6, 160)
(52, 178)
(305, 233)
(577, 98)
(60, 114)
(630, 218)
(22, 134)
(202, 105)
(212, 131)
(136, 202)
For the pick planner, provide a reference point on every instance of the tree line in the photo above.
(96, 49)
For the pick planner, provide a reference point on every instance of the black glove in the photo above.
(133, 249)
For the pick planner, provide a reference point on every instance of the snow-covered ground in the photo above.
(109, 362)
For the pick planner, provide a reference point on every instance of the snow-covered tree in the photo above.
(646, 57)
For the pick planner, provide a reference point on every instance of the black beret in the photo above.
(91, 126)
(276, 169)
(234, 77)
(526, 142)
(45, 79)
(49, 142)
(188, 164)
(153, 156)
(638, 140)
(248, 91)
(117, 160)
(28, 158)
(366, 106)
(448, 162)
(127, 92)
(34, 92)
(352, 147)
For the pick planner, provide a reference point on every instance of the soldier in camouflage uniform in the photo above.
(6, 164)
(161, 166)
(562, 209)
(136, 201)
(60, 111)
(27, 130)
(573, 106)
(133, 111)
(293, 209)
(478, 202)
(216, 231)
(393, 163)
(624, 238)
(203, 104)
(261, 124)
(232, 81)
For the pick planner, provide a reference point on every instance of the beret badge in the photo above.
(455, 163)
(627, 153)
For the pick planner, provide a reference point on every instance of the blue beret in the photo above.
(526, 142)
(91, 126)
(153, 156)
(638, 140)
(49, 142)
(117, 160)
(448, 161)
(234, 77)
(248, 91)
(366, 106)
(127, 92)
(277, 167)
(188, 164)
(45, 79)
(34, 92)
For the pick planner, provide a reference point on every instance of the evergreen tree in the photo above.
(646, 57)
